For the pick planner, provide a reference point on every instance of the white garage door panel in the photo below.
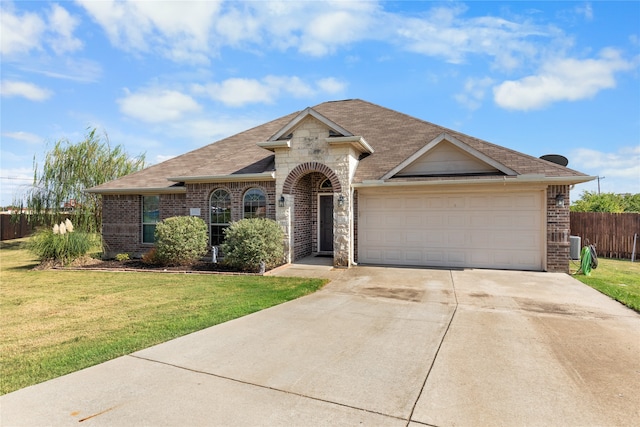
(502, 230)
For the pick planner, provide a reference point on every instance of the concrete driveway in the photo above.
(377, 346)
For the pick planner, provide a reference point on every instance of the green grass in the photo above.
(57, 322)
(619, 279)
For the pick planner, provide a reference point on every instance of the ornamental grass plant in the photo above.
(61, 244)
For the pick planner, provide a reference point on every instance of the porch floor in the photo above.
(311, 266)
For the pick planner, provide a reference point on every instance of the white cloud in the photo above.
(445, 32)
(621, 168)
(335, 28)
(62, 25)
(178, 30)
(237, 92)
(27, 137)
(586, 10)
(197, 30)
(563, 79)
(474, 92)
(24, 32)
(10, 88)
(331, 85)
(623, 163)
(155, 105)
(20, 33)
(76, 69)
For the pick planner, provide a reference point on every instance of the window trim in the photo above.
(218, 224)
(244, 202)
(323, 187)
(142, 219)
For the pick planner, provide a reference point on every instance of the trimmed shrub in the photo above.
(181, 240)
(249, 242)
(61, 244)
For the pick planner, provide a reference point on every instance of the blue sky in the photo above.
(167, 77)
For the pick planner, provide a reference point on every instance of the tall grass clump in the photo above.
(180, 240)
(250, 242)
(61, 243)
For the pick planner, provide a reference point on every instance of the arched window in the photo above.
(326, 185)
(219, 215)
(255, 204)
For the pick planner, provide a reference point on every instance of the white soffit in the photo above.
(272, 145)
(482, 162)
(357, 142)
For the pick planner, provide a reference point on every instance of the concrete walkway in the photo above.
(377, 346)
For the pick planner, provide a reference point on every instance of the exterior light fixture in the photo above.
(281, 202)
(560, 200)
(341, 200)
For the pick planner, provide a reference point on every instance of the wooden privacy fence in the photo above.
(14, 228)
(612, 233)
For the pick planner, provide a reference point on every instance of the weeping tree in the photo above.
(68, 170)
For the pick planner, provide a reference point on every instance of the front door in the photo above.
(325, 224)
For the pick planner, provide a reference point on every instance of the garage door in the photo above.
(485, 230)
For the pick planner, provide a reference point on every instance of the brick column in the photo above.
(558, 229)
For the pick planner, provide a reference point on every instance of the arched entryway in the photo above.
(312, 186)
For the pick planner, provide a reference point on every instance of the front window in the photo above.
(220, 215)
(150, 217)
(255, 204)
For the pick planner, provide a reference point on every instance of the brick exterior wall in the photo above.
(122, 214)
(198, 196)
(305, 223)
(122, 221)
(558, 230)
(302, 225)
(122, 224)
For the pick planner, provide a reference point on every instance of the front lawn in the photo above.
(619, 279)
(57, 322)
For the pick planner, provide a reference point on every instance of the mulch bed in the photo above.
(88, 263)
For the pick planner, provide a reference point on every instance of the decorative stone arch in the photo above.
(306, 168)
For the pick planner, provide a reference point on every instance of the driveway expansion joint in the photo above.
(196, 371)
(435, 356)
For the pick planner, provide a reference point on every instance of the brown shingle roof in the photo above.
(394, 136)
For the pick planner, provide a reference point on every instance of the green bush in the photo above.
(251, 241)
(181, 240)
(51, 245)
(123, 257)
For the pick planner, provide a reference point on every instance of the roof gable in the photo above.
(448, 156)
(334, 128)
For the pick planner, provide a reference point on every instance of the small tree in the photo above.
(249, 242)
(590, 201)
(69, 169)
(180, 240)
